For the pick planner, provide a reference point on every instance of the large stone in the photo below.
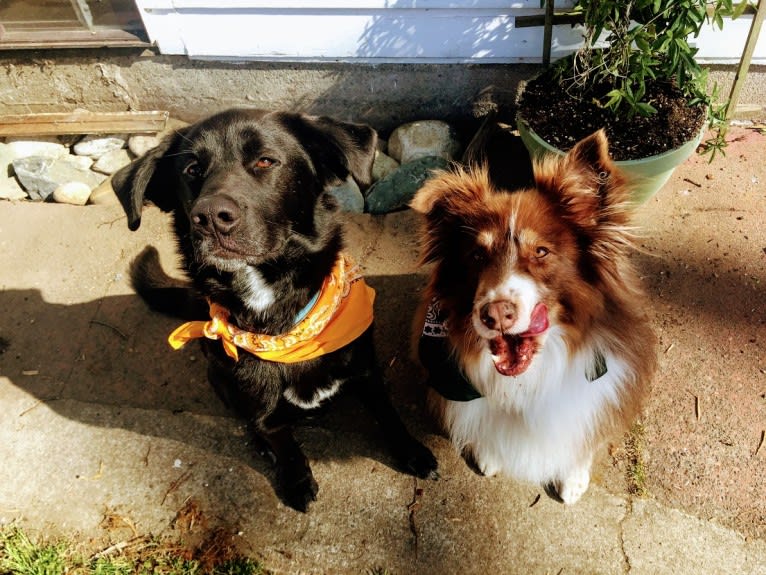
(80, 162)
(41, 176)
(76, 193)
(112, 161)
(382, 166)
(140, 144)
(6, 159)
(348, 196)
(96, 146)
(11, 190)
(420, 139)
(28, 148)
(396, 190)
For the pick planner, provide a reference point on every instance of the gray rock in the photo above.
(32, 174)
(76, 193)
(112, 161)
(348, 196)
(396, 190)
(11, 190)
(28, 148)
(382, 166)
(140, 144)
(41, 176)
(80, 162)
(416, 140)
(96, 146)
(6, 158)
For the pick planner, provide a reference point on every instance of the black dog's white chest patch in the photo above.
(312, 398)
(256, 292)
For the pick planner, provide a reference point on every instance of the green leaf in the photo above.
(646, 109)
(739, 9)
(615, 99)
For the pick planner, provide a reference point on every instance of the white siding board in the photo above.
(477, 31)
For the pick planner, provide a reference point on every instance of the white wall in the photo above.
(422, 31)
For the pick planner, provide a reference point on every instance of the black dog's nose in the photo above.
(216, 214)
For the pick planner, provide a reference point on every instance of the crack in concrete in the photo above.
(627, 567)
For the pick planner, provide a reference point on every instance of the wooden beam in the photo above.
(67, 37)
(744, 62)
(558, 19)
(82, 122)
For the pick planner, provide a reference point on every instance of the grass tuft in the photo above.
(20, 555)
(635, 472)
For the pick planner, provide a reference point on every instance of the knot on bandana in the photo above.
(342, 311)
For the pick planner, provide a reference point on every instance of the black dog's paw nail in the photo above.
(267, 454)
(300, 494)
(421, 462)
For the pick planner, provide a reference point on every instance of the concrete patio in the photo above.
(106, 433)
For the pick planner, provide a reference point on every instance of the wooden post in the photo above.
(747, 55)
(548, 32)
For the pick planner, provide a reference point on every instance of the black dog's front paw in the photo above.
(417, 459)
(299, 488)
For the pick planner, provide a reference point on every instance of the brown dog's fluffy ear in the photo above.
(145, 179)
(450, 200)
(585, 183)
(452, 191)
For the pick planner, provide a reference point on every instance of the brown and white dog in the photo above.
(532, 325)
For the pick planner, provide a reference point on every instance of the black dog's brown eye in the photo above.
(193, 169)
(541, 252)
(264, 163)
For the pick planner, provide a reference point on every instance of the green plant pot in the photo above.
(646, 175)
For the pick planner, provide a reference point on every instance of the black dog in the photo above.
(259, 238)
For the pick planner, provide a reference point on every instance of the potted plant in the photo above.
(635, 75)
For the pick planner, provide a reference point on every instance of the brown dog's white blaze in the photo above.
(513, 353)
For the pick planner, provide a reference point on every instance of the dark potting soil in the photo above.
(562, 121)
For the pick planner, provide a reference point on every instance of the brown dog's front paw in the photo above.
(299, 490)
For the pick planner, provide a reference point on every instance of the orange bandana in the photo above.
(342, 312)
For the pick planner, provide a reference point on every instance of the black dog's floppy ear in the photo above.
(337, 148)
(146, 178)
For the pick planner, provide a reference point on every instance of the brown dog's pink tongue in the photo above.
(538, 323)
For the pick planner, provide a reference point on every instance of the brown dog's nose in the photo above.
(498, 315)
(215, 214)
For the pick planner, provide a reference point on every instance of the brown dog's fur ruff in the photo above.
(258, 234)
(541, 313)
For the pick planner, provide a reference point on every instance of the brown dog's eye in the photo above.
(264, 163)
(193, 169)
(478, 256)
(541, 252)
